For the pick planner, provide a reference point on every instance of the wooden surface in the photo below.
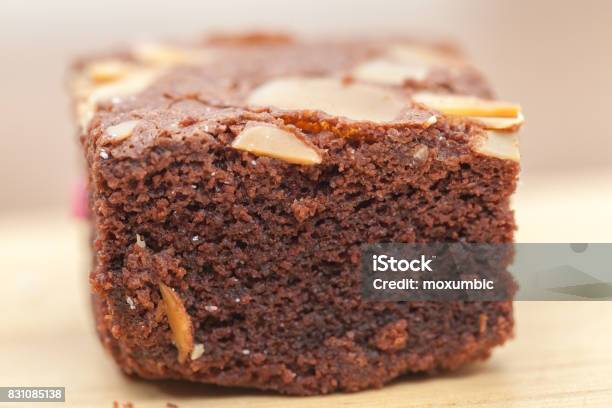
(561, 356)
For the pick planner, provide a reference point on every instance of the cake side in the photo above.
(223, 259)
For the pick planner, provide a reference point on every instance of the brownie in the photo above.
(233, 180)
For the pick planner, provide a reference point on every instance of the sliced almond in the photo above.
(107, 70)
(111, 78)
(414, 54)
(390, 72)
(162, 54)
(85, 112)
(179, 320)
(432, 120)
(330, 95)
(122, 131)
(137, 81)
(266, 140)
(502, 145)
(500, 123)
(401, 62)
(461, 105)
(155, 53)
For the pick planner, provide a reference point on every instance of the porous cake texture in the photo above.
(232, 182)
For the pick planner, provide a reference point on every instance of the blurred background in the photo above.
(553, 57)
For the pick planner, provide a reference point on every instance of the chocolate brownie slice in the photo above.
(233, 181)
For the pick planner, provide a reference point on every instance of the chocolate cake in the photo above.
(233, 181)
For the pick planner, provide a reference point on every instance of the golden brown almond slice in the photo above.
(121, 131)
(390, 72)
(266, 140)
(179, 321)
(107, 70)
(502, 145)
(357, 101)
(462, 105)
(493, 123)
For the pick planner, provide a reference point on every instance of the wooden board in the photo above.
(561, 356)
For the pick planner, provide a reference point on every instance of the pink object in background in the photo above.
(79, 207)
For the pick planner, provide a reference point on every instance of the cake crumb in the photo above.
(483, 323)
(197, 352)
(420, 153)
(304, 209)
(392, 337)
(188, 121)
